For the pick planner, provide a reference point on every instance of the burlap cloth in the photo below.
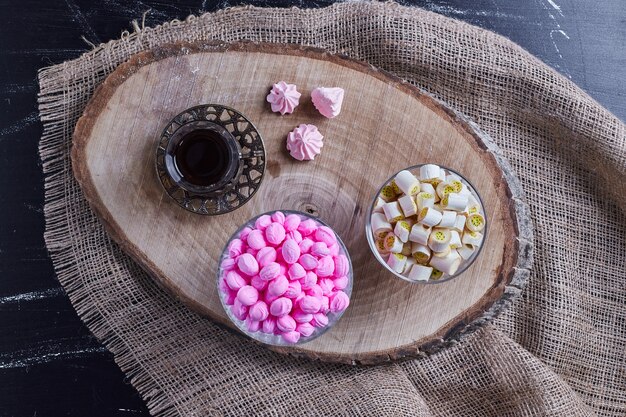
(560, 350)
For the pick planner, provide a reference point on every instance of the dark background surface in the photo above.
(50, 364)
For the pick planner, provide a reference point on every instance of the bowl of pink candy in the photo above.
(284, 278)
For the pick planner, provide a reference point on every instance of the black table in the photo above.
(49, 362)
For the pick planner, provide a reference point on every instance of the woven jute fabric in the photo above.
(559, 350)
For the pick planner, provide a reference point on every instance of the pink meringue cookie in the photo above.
(310, 304)
(296, 271)
(315, 291)
(270, 271)
(262, 222)
(302, 317)
(291, 337)
(258, 311)
(239, 310)
(320, 249)
(256, 240)
(341, 282)
(248, 264)
(243, 235)
(280, 307)
(235, 248)
(319, 320)
(278, 217)
(292, 222)
(293, 290)
(275, 233)
(228, 264)
(305, 245)
(247, 295)
(325, 308)
(295, 235)
(259, 283)
(304, 142)
(307, 227)
(269, 325)
(286, 324)
(339, 302)
(290, 251)
(309, 280)
(231, 296)
(266, 256)
(325, 234)
(278, 286)
(328, 100)
(334, 250)
(327, 285)
(252, 325)
(234, 280)
(305, 329)
(325, 266)
(308, 261)
(283, 97)
(342, 266)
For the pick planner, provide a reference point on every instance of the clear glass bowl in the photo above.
(445, 278)
(273, 339)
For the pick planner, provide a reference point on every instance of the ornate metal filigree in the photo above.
(251, 167)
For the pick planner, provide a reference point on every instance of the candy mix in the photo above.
(284, 275)
(427, 226)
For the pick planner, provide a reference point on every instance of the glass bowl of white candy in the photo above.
(426, 224)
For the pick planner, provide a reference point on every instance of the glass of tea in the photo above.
(202, 157)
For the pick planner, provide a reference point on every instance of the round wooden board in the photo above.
(384, 125)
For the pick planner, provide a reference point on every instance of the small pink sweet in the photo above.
(290, 251)
(295, 235)
(305, 245)
(305, 329)
(291, 337)
(258, 311)
(319, 249)
(296, 271)
(251, 251)
(325, 305)
(302, 317)
(280, 307)
(293, 290)
(307, 227)
(278, 217)
(269, 325)
(258, 283)
(266, 256)
(275, 233)
(270, 271)
(341, 282)
(310, 304)
(235, 248)
(262, 222)
(319, 320)
(239, 310)
(309, 280)
(269, 298)
(292, 222)
(327, 100)
(228, 264)
(339, 302)
(342, 266)
(325, 266)
(234, 280)
(315, 291)
(308, 262)
(243, 235)
(299, 298)
(252, 325)
(247, 295)
(327, 285)
(230, 298)
(283, 97)
(305, 142)
(286, 324)
(256, 240)
(334, 250)
(325, 234)
(248, 264)
(278, 286)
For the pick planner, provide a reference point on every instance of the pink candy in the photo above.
(283, 276)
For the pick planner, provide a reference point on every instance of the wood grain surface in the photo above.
(385, 125)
